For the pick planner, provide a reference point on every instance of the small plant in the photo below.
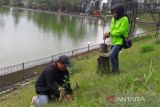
(146, 48)
(157, 42)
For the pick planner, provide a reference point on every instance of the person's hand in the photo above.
(62, 93)
(106, 35)
(68, 97)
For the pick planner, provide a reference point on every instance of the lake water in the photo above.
(26, 35)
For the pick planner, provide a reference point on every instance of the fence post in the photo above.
(52, 58)
(23, 77)
(9, 76)
(72, 52)
(88, 46)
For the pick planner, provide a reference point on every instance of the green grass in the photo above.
(146, 48)
(157, 41)
(147, 17)
(139, 75)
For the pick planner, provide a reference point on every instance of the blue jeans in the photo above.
(42, 99)
(113, 56)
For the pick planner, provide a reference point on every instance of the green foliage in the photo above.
(140, 38)
(146, 48)
(5, 2)
(157, 42)
(50, 5)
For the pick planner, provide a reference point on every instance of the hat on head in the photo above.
(65, 60)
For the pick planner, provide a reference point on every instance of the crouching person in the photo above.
(53, 83)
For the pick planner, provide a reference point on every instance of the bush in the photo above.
(157, 42)
(147, 48)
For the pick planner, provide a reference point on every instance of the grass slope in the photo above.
(139, 76)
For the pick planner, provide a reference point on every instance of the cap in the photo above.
(65, 60)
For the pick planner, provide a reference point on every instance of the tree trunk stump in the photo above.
(103, 48)
(103, 64)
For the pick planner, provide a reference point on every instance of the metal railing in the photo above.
(30, 64)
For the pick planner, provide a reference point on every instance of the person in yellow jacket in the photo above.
(119, 27)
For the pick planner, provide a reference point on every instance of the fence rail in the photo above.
(30, 64)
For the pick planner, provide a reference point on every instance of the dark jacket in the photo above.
(51, 79)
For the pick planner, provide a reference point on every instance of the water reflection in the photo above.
(72, 27)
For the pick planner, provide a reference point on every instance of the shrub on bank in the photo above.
(146, 48)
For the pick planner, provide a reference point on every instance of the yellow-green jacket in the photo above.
(119, 28)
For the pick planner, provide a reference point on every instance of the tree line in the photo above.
(67, 6)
